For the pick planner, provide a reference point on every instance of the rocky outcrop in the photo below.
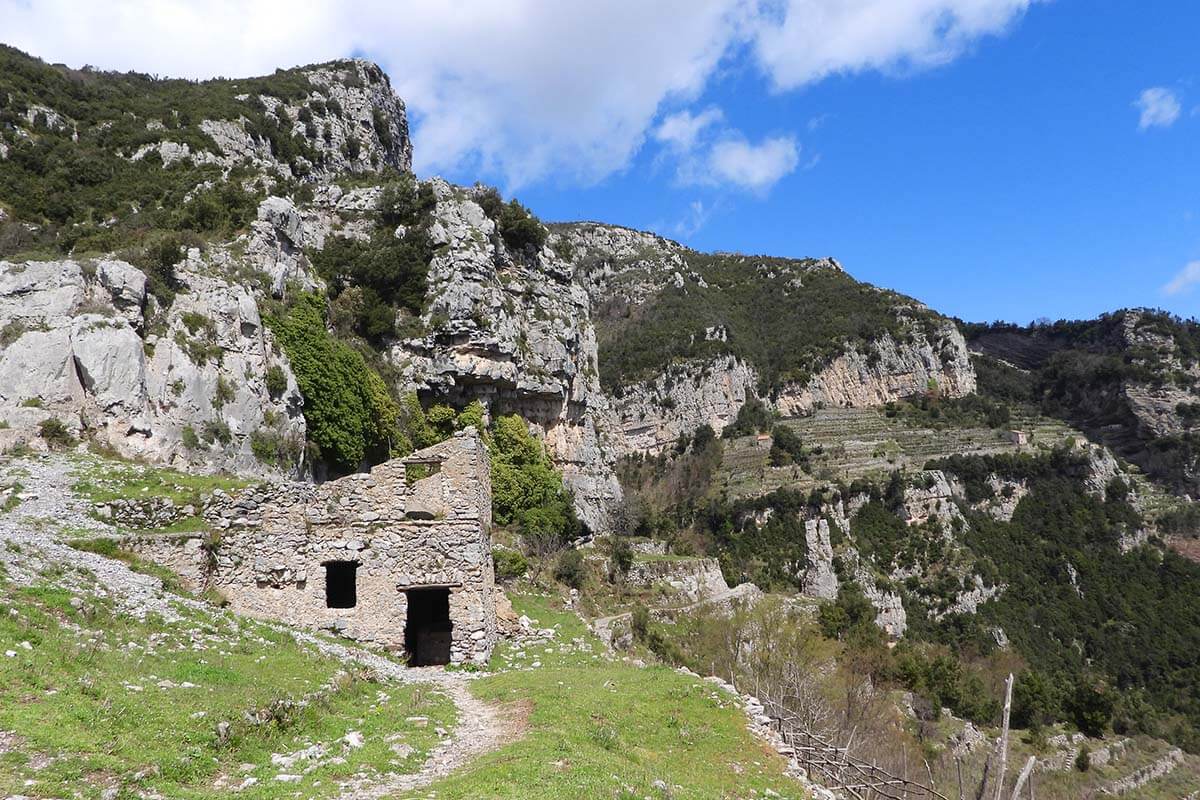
(188, 389)
(654, 415)
(887, 370)
(350, 121)
(514, 331)
(694, 579)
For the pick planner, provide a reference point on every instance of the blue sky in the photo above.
(1005, 159)
(1012, 183)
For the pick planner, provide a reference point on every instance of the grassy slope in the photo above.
(601, 728)
(68, 698)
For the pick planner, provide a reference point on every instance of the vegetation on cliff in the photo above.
(787, 318)
(70, 169)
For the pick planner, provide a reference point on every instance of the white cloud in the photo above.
(803, 41)
(1160, 108)
(681, 129)
(522, 90)
(756, 167)
(695, 219)
(1184, 280)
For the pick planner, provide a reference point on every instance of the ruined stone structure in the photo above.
(399, 556)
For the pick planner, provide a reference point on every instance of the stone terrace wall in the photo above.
(275, 541)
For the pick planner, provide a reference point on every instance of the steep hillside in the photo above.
(686, 338)
(1130, 379)
(157, 311)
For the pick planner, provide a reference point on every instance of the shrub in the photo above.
(350, 414)
(509, 564)
(851, 609)
(753, 417)
(1083, 761)
(570, 569)
(490, 201)
(55, 432)
(276, 379)
(406, 202)
(216, 430)
(526, 489)
(274, 447)
(224, 392)
(786, 448)
(190, 440)
(1091, 706)
(520, 229)
(620, 559)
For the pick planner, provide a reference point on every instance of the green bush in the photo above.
(509, 564)
(526, 489)
(620, 558)
(216, 430)
(786, 448)
(569, 569)
(520, 229)
(276, 379)
(55, 432)
(753, 417)
(850, 610)
(1091, 706)
(190, 440)
(351, 417)
(274, 447)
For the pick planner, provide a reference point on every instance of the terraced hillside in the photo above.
(849, 443)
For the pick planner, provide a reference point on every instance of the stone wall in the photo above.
(694, 579)
(421, 521)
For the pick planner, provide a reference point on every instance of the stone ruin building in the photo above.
(399, 556)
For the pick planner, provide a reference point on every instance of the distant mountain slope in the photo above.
(1131, 379)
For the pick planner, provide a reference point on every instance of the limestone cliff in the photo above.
(907, 350)
(189, 388)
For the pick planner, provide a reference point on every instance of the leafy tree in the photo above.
(350, 415)
(1091, 706)
(526, 489)
(753, 417)
(787, 448)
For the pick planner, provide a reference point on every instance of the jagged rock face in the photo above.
(654, 415)
(888, 371)
(625, 269)
(351, 101)
(78, 350)
(514, 331)
(931, 497)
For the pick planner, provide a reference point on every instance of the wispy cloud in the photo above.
(756, 167)
(1159, 106)
(696, 217)
(682, 129)
(1184, 280)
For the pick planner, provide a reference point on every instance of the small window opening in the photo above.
(341, 589)
(427, 630)
(419, 470)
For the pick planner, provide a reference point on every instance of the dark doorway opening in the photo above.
(341, 589)
(428, 628)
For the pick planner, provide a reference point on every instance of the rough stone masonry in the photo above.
(399, 556)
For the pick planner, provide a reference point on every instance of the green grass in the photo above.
(102, 480)
(14, 497)
(69, 698)
(604, 728)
